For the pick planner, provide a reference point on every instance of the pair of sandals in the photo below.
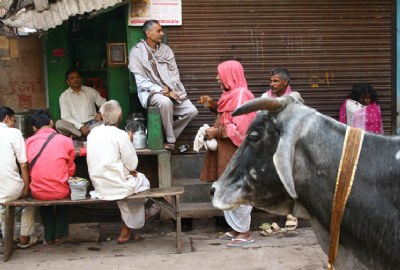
(272, 229)
(57, 242)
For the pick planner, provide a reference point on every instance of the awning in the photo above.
(43, 14)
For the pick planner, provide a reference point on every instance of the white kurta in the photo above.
(110, 158)
(12, 147)
(13, 150)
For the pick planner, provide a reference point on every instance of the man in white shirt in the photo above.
(78, 107)
(12, 186)
(158, 81)
(112, 163)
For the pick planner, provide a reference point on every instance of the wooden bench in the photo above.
(166, 198)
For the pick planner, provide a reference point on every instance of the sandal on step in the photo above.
(274, 229)
(291, 223)
(226, 236)
(239, 242)
(32, 242)
(264, 226)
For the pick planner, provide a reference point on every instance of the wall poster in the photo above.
(167, 12)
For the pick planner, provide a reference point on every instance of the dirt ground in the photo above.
(201, 250)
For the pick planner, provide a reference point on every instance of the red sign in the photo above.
(59, 52)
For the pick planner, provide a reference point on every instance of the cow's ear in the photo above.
(283, 161)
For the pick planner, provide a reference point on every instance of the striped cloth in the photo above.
(80, 108)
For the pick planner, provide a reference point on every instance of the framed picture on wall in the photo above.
(116, 54)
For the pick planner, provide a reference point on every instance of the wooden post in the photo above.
(9, 237)
(178, 225)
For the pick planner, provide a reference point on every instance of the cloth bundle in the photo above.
(355, 114)
(199, 141)
(78, 187)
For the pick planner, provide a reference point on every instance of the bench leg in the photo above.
(9, 237)
(164, 169)
(178, 225)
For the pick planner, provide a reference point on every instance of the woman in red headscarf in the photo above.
(229, 132)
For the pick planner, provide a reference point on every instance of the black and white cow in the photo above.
(289, 162)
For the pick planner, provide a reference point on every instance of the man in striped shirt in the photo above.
(78, 107)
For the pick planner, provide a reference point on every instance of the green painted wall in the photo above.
(134, 35)
(118, 77)
(57, 41)
(86, 49)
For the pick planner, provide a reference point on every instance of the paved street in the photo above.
(201, 250)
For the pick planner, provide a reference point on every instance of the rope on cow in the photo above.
(348, 165)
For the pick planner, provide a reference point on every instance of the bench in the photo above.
(166, 198)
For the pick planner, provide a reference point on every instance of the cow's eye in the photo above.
(253, 135)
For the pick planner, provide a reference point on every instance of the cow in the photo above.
(289, 162)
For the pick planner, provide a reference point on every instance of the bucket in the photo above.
(139, 134)
(23, 122)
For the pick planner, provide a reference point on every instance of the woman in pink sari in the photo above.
(229, 132)
(369, 116)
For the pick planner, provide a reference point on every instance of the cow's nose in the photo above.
(211, 191)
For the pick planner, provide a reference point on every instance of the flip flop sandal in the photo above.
(152, 213)
(47, 243)
(59, 242)
(239, 242)
(136, 238)
(291, 223)
(32, 242)
(274, 229)
(226, 236)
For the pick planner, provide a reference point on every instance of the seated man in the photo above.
(158, 81)
(112, 163)
(49, 174)
(78, 107)
(12, 187)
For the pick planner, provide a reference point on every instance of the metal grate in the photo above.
(326, 45)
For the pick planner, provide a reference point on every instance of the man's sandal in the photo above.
(272, 230)
(291, 223)
(32, 241)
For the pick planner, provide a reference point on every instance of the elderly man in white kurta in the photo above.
(12, 186)
(112, 163)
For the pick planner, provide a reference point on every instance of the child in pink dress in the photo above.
(369, 109)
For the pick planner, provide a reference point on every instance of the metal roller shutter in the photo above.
(327, 46)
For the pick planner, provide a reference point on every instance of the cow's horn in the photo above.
(258, 104)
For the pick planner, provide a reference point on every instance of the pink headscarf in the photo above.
(231, 75)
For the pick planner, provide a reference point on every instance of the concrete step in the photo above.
(200, 210)
(195, 190)
(184, 166)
